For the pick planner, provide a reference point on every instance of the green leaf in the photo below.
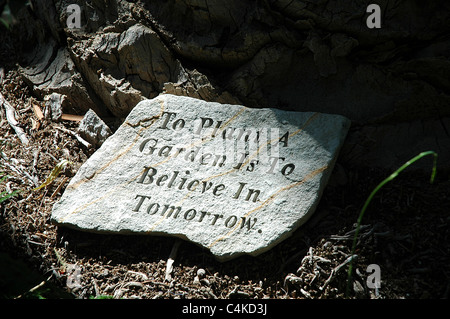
(55, 172)
(5, 195)
(4, 23)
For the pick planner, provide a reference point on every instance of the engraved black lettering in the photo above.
(141, 200)
(174, 176)
(190, 214)
(204, 158)
(287, 169)
(215, 218)
(238, 193)
(207, 122)
(243, 134)
(172, 208)
(150, 208)
(161, 179)
(243, 131)
(203, 214)
(258, 133)
(151, 148)
(284, 139)
(219, 123)
(216, 160)
(218, 188)
(178, 124)
(165, 151)
(248, 223)
(193, 184)
(192, 154)
(228, 133)
(179, 150)
(170, 114)
(183, 180)
(148, 175)
(252, 165)
(241, 161)
(274, 163)
(230, 221)
(206, 186)
(251, 192)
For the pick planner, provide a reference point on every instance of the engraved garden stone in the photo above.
(233, 179)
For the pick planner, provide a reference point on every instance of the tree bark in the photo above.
(392, 82)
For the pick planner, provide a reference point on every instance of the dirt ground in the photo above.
(405, 231)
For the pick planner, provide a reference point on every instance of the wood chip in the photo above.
(37, 111)
(35, 124)
(71, 117)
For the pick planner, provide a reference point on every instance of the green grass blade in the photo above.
(4, 195)
(54, 173)
(2, 199)
(369, 199)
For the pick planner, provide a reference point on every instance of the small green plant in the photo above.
(54, 173)
(369, 199)
(6, 17)
(102, 297)
(9, 10)
(5, 195)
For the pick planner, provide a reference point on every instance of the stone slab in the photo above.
(93, 129)
(235, 180)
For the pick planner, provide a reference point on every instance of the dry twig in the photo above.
(77, 136)
(10, 117)
(14, 166)
(173, 254)
(336, 270)
(71, 117)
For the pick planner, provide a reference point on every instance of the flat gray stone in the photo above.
(93, 129)
(53, 106)
(229, 178)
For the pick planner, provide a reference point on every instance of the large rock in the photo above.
(229, 178)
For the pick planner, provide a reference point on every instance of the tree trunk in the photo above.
(392, 82)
